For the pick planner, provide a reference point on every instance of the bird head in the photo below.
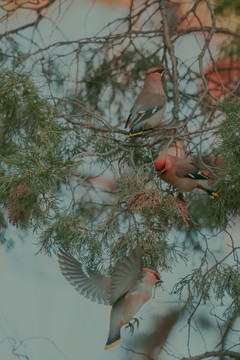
(159, 71)
(162, 163)
(154, 277)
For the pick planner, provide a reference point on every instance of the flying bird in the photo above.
(182, 174)
(128, 289)
(149, 107)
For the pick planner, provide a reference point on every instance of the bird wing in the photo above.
(185, 169)
(94, 287)
(140, 112)
(143, 115)
(127, 276)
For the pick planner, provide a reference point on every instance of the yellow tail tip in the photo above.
(135, 134)
(214, 195)
(113, 344)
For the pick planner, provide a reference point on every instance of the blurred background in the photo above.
(70, 72)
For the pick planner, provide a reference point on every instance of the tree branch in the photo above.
(201, 29)
(170, 48)
(229, 353)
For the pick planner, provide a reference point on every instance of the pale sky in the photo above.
(41, 308)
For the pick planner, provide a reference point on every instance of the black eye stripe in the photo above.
(159, 71)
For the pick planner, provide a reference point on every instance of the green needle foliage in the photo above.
(33, 159)
(228, 184)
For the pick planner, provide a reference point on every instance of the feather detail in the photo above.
(107, 347)
(92, 285)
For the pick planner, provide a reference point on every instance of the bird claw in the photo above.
(131, 325)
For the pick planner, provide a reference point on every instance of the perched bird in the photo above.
(149, 107)
(182, 174)
(128, 289)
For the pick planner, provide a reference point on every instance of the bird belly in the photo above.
(133, 302)
(186, 185)
(182, 184)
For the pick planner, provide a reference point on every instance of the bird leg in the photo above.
(131, 325)
(180, 197)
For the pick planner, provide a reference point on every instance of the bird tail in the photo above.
(212, 194)
(114, 337)
(134, 134)
(138, 133)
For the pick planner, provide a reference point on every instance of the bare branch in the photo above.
(229, 353)
(173, 58)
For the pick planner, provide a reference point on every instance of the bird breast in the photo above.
(134, 300)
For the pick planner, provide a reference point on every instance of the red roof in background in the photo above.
(223, 77)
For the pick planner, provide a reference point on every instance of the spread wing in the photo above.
(127, 276)
(93, 286)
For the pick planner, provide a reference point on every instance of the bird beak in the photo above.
(158, 283)
(161, 171)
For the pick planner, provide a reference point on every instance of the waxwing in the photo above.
(128, 289)
(149, 107)
(182, 174)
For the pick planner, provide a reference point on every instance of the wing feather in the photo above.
(127, 276)
(156, 102)
(144, 115)
(93, 286)
(190, 170)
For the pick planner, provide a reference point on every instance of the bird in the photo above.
(126, 291)
(182, 174)
(148, 110)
